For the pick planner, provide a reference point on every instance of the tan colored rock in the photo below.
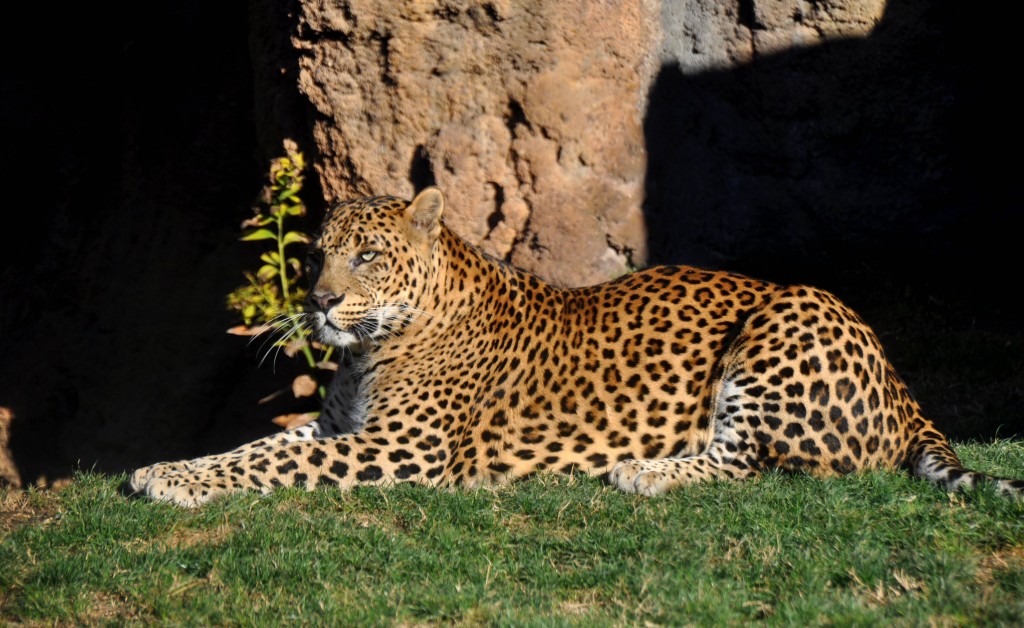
(845, 18)
(769, 42)
(785, 24)
(527, 114)
(704, 35)
(8, 471)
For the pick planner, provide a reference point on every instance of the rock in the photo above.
(9, 475)
(527, 114)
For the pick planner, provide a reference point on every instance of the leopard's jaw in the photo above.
(326, 333)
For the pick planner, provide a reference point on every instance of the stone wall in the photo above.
(580, 139)
(784, 132)
(527, 114)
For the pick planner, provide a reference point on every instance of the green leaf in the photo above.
(260, 234)
(296, 236)
(271, 257)
(295, 210)
(258, 220)
(267, 272)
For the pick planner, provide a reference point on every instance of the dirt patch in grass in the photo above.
(20, 508)
(584, 603)
(184, 538)
(1002, 560)
(881, 593)
(104, 608)
(192, 537)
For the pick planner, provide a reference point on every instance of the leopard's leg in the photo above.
(342, 414)
(344, 406)
(298, 434)
(726, 457)
(803, 388)
(653, 477)
(344, 460)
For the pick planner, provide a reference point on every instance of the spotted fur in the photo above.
(460, 370)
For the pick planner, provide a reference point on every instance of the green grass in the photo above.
(874, 548)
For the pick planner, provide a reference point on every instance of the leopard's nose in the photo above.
(325, 300)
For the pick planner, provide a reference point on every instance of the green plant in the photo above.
(272, 300)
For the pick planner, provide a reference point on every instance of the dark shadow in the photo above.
(421, 172)
(875, 168)
(280, 111)
(137, 158)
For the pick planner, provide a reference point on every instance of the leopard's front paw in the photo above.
(180, 483)
(141, 478)
(642, 477)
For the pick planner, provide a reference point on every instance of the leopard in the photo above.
(459, 370)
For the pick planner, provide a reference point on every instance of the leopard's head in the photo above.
(369, 266)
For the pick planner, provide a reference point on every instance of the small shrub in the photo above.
(272, 300)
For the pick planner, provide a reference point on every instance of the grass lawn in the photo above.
(874, 548)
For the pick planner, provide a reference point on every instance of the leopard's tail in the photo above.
(932, 458)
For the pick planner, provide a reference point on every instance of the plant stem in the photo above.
(281, 263)
(309, 356)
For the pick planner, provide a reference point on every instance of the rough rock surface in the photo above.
(9, 475)
(528, 114)
(776, 126)
(534, 118)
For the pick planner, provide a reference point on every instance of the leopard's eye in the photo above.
(364, 257)
(312, 265)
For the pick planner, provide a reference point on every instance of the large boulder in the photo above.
(528, 114)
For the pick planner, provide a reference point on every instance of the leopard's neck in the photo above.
(474, 284)
(465, 284)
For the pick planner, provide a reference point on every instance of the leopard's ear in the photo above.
(424, 213)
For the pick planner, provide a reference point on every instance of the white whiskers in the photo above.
(392, 319)
(282, 329)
